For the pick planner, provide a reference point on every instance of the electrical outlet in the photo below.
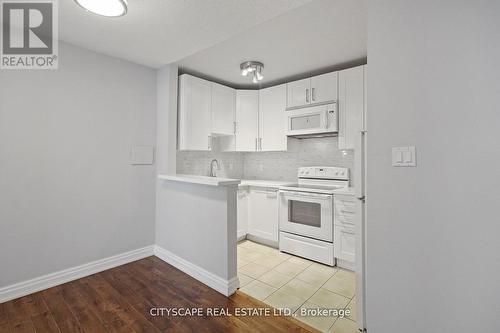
(261, 167)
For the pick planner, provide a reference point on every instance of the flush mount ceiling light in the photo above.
(108, 8)
(253, 68)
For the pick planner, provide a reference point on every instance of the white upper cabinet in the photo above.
(223, 108)
(247, 120)
(298, 93)
(314, 90)
(272, 119)
(194, 113)
(324, 88)
(351, 106)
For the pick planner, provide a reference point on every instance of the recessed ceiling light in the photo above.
(108, 8)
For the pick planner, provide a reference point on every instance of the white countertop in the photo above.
(264, 183)
(345, 191)
(202, 180)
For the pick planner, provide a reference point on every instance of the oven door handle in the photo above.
(306, 195)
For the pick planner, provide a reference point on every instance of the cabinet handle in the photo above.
(256, 146)
(313, 95)
(260, 143)
(307, 95)
(234, 127)
(209, 142)
(326, 120)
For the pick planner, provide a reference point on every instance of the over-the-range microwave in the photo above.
(320, 120)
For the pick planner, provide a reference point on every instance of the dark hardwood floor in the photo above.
(120, 299)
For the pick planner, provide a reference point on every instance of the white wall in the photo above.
(67, 192)
(433, 231)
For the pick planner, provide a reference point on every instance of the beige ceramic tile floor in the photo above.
(285, 281)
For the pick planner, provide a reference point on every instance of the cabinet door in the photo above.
(242, 213)
(223, 107)
(351, 106)
(272, 119)
(298, 93)
(344, 245)
(194, 113)
(247, 119)
(263, 214)
(324, 88)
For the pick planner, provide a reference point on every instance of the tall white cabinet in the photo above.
(272, 119)
(223, 109)
(351, 105)
(247, 120)
(195, 101)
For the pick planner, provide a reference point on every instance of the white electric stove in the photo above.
(306, 213)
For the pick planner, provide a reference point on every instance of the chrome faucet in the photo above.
(212, 170)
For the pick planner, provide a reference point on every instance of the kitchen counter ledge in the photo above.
(202, 180)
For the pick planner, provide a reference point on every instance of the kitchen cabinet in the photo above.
(263, 214)
(242, 224)
(223, 109)
(195, 98)
(247, 120)
(324, 88)
(346, 212)
(344, 245)
(351, 106)
(272, 119)
(298, 93)
(315, 90)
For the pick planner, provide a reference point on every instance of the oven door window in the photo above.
(306, 213)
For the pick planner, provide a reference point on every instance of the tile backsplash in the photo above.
(268, 165)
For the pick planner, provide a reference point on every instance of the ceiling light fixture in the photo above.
(253, 67)
(108, 8)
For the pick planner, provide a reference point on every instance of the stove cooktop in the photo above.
(311, 188)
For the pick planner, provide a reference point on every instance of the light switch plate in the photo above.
(142, 155)
(404, 156)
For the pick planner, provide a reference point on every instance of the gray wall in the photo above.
(433, 231)
(68, 194)
(268, 165)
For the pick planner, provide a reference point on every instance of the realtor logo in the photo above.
(29, 37)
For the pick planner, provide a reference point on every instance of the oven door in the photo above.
(307, 214)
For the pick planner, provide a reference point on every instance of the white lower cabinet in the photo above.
(242, 225)
(263, 215)
(344, 242)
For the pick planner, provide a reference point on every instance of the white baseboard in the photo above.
(225, 287)
(349, 265)
(70, 274)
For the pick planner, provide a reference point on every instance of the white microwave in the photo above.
(318, 120)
